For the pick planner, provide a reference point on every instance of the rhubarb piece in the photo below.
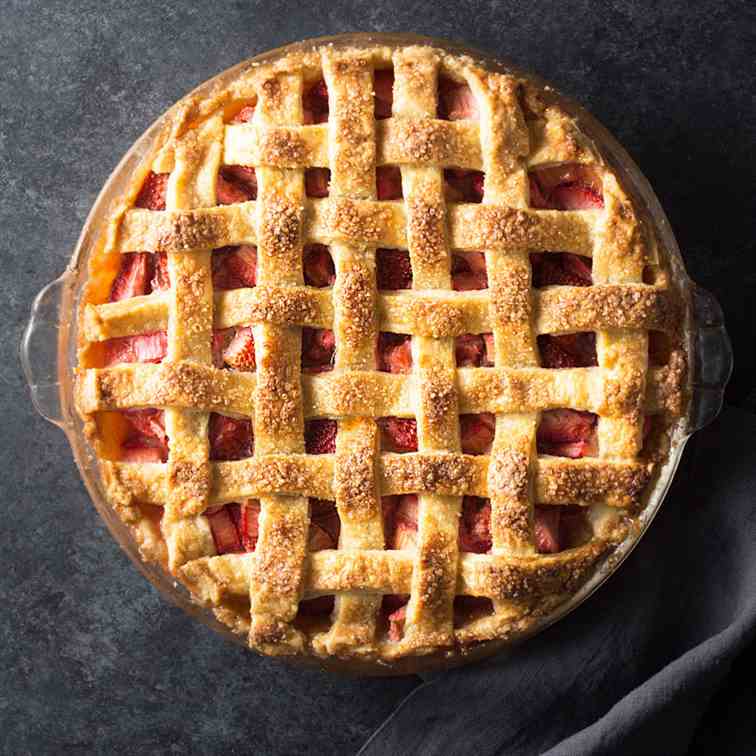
(152, 194)
(560, 269)
(145, 347)
(570, 350)
(315, 103)
(383, 85)
(317, 181)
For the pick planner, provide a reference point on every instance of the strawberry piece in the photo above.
(221, 339)
(567, 433)
(396, 624)
(394, 353)
(317, 181)
(240, 353)
(475, 525)
(230, 438)
(474, 350)
(244, 115)
(320, 436)
(318, 266)
(477, 432)
(570, 350)
(546, 529)
(318, 349)
(463, 186)
(161, 280)
(236, 183)
(571, 186)
(315, 103)
(146, 347)
(398, 434)
(325, 525)
(224, 531)
(249, 524)
(560, 269)
(234, 267)
(468, 271)
(400, 521)
(133, 278)
(393, 269)
(383, 84)
(152, 194)
(456, 101)
(388, 182)
(147, 432)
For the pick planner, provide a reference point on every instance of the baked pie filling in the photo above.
(370, 355)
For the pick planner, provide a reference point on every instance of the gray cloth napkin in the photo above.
(651, 663)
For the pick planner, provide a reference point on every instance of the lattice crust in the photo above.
(259, 592)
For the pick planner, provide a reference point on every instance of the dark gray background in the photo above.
(90, 657)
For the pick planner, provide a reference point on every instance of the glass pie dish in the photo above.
(50, 357)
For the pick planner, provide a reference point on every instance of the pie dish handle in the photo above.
(41, 352)
(712, 359)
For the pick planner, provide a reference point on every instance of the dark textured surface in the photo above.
(90, 657)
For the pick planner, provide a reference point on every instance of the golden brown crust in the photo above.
(258, 594)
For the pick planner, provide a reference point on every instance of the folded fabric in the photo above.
(634, 669)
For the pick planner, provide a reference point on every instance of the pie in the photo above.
(378, 358)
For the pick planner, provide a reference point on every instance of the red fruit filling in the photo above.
(477, 432)
(383, 85)
(317, 181)
(318, 349)
(315, 103)
(569, 350)
(318, 266)
(235, 527)
(398, 434)
(400, 521)
(659, 348)
(146, 440)
(236, 183)
(325, 525)
(388, 180)
(161, 280)
(475, 525)
(234, 267)
(560, 527)
(566, 187)
(456, 101)
(396, 619)
(474, 350)
(244, 115)
(320, 436)
(152, 194)
(239, 352)
(394, 353)
(567, 433)
(468, 271)
(393, 269)
(146, 347)
(463, 186)
(230, 438)
(560, 269)
(134, 277)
